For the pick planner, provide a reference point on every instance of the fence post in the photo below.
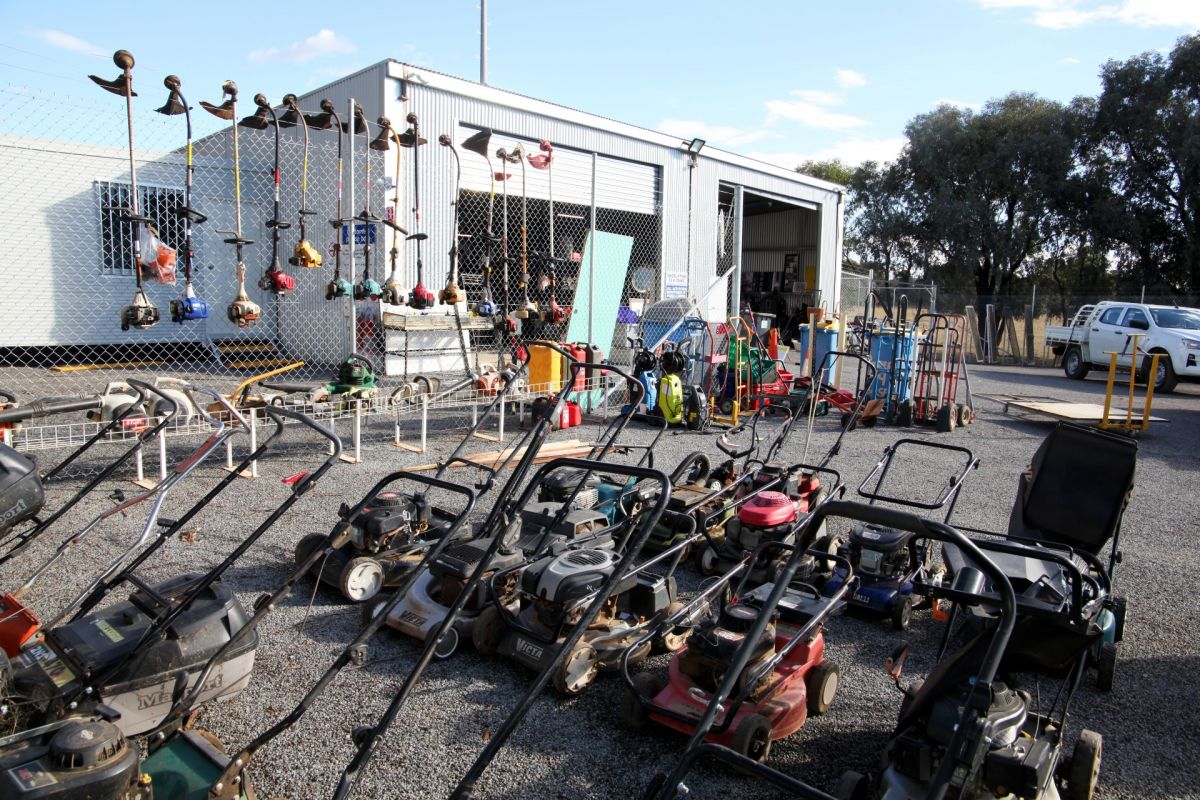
(1030, 358)
(990, 322)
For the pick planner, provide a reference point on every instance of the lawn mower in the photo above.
(18, 623)
(767, 682)
(889, 563)
(124, 661)
(22, 495)
(394, 533)
(1070, 503)
(964, 732)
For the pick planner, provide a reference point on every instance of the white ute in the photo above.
(1105, 327)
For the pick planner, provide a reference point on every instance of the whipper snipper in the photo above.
(480, 143)
(528, 307)
(391, 293)
(553, 313)
(243, 311)
(367, 287)
(420, 298)
(303, 254)
(140, 313)
(452, 295)
(329, 118)
(274, 279)
(188, 306)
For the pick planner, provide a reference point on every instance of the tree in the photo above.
(833, 170)
(1146, 137)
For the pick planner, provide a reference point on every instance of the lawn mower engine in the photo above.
(141, 693)
(1015, 765)
(454, 567)
(81, 759)
(21, 492)
(769, 516)
(713, 645)
(561, 483)
(881, 553)
(392, 520)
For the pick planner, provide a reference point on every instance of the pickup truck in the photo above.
(1103, 328)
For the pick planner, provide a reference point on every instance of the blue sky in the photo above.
(774, 79)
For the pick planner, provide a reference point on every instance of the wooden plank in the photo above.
(973, 333)
(485, 459)
(114, 365)
(1079, 412)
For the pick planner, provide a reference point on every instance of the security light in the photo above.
(694, 147)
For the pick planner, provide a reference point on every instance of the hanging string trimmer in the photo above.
(451, 295)
(553, 313)
(274, 279)
(504, 324)
(421, 298)
(243, 311)
(392, 293)
(303, 254)
(368, 288)
(528, 307)
(140, 313)
(479, 143)
(187, 306)
(339, 286)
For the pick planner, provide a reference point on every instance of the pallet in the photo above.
(1060, 409)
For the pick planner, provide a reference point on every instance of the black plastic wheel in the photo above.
(945, 419)
(904, 414)
(307, 545)
(752, 737)
(1120, 609)
(849, 421)
(488, 629)
(853, 786)
(447, 645)
(822, 684)
(706, 561)
(1106, 666)
(633, 714)
(1085, 765)
(373, 607)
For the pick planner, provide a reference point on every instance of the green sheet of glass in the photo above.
(612, 264)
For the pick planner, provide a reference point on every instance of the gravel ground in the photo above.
(577, 748)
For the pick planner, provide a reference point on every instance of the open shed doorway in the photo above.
(780, 256)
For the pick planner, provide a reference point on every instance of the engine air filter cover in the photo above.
(768, 509)
(86, 745)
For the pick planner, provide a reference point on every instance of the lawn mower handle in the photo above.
(661, 789)
(305, 483)
(884, 464)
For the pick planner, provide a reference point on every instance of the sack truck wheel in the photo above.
(1106, 666)
(1120, 607)
(1073, 364)
(488, 629)
(849, 421)
(853, 786)
(306, 546)
(752, 737)
(904, 414)
(822, 685)
(964, 415)
(945, 418)
(577, 670)
(902, 611)
(634, 714)
(361, 579)
(373, 607)
(671, 641)
(1085, 765)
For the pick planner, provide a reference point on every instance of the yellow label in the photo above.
(108, 630)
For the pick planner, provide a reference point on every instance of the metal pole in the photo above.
(736, 273)
(592, 258)
(352, 348)
(483, 42)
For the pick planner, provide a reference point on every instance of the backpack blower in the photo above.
(421, 298)
(187, 307)
(140, 313)
(243, 311)
(303, 254)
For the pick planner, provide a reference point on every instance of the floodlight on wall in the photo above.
(694, 147)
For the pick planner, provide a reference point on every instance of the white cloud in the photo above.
(688, 129)
(1068, 60)
(1059, 14)
(810, 109)
(851, 151)
(849, 79)
(66, 41)
(947, 101)
(324, 43)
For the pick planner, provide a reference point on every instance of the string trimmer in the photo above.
(303, 254)
(243, 311)
(392, 294)
(451, 295)
(367, 288)
(274, 279)
(421, 297)
(140, 313)
(479, 143)
(553, 313)
(187, 306)
(339, 286)
(528, 307)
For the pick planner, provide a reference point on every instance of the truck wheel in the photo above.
(965, 415)
(1165, 379)
(1073, 364)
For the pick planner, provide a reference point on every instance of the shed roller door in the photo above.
(620, 185)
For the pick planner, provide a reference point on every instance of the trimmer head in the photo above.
(305, 255)
(140, 314)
